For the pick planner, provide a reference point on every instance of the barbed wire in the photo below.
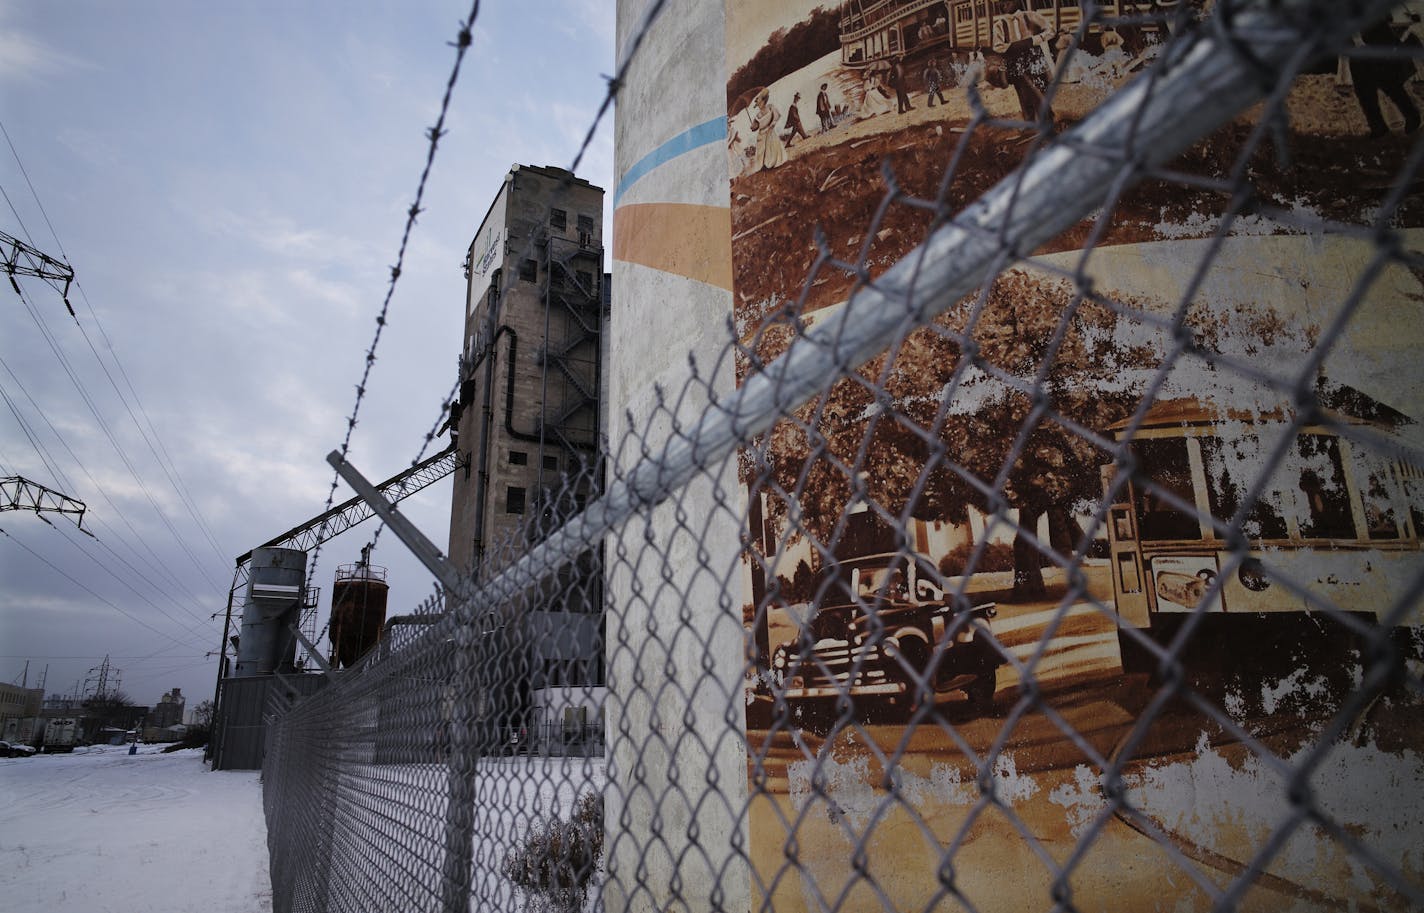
(461, 44)
(614, 85)
(846, 739)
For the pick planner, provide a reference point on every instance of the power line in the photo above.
(174, 478)
(113, 440)
(26, 175)
(45, 456)
(116, 608)
(157, 608)
(160, 567)
(21, 222)
(184, 495)
(34, 441)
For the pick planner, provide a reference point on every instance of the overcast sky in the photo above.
(229, 182)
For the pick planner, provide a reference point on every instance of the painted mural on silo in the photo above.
(819, 96)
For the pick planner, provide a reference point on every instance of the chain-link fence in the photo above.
(1043, 567)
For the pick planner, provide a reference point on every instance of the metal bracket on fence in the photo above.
(292, 694)
(414, 539)
(310, 648)
(464, 748)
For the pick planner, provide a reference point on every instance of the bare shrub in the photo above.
(556, 861)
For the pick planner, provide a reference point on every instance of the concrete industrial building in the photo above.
(168, 711)
(529, 421)
(19, 712)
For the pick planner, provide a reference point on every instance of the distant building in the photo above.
(19, 708)
(17, 701)
(530, 421)
(168, 711)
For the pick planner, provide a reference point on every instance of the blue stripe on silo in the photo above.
(686, 141)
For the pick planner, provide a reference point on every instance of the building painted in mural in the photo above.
(717, 196)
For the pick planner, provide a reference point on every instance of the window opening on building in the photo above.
(551, 463)
(529, 271)
(514, 500)
(518, 458)
(559, 219)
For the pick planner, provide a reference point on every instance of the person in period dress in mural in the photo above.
(1023, 38)
(873, 101)
(934, 79)
(770, 153)
(823, 109)
(897, 82)
(793, 121)
(1388, 76)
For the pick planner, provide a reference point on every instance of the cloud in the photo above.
(594, 17)
(25, 59)
(281, 235)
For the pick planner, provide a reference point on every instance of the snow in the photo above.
(101, 830)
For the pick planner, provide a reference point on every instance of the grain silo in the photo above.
(358, 609)
(274, 598)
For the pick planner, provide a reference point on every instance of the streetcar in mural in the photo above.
(877, 30)
(1341, 524)
(879, 647)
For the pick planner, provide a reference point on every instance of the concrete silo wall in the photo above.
(672, 295)
(719, 188)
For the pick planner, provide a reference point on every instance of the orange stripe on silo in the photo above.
(685, 239)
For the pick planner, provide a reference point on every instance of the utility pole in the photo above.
(20, 259)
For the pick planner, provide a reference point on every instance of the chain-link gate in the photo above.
(1008, 583)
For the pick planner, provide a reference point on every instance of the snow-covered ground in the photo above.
(101, 830)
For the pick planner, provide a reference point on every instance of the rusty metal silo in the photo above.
(358, 609)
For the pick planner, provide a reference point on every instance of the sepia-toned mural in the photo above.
(820, 97)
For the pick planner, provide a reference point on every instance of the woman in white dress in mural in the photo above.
(873, 101)
(770, 153)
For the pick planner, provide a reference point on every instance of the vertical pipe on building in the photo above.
(214, 737)
(544, 373)
(486, 415)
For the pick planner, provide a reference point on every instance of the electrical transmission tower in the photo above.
(19, 493)
(20, 259)
(102, 681)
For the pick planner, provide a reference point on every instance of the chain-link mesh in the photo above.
(1008, 584)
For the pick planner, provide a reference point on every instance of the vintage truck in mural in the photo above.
(900, 640)
(1339, 521)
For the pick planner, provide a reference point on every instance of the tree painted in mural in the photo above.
(949, 430)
